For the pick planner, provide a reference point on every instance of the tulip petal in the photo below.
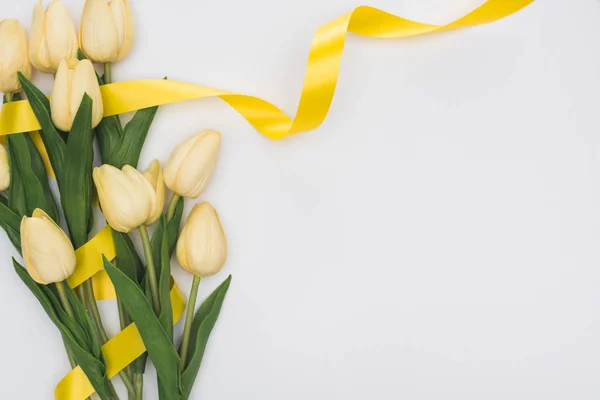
(38, 49)
(60, 98)
(61, 36)
(13, 55)
(99, 37)
(85, 81)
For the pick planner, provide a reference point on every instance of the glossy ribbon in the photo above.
(317, 93)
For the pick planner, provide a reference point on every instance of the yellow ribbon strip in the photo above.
(317, 93)
(322, 72)
(127, 345)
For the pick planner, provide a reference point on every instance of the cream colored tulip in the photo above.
(53, 37)
(48, 253)
(4, 169)
(126, 197)
(13, 55)
(154, 176)
(191, 164)
(73, 79)
(202, 246)
(106, 32)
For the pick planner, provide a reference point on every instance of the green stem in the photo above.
(150, 269)
(90, 300)
(8, 97)
(172, 206)
(139, 386)
(107, 73)
(189, 318)
(60, 288)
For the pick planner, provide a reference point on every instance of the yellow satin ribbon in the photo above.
(317, 93)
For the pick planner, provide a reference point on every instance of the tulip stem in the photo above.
(139, 386)
(189, 318)
(150, 269)
(172, 206)
(60, 288)
(107, 73)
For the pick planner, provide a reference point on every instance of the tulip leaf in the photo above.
(16, 191)
(204, 322)
(164, 283)
(54, 143)
(11, 223)
(77, 186)
(109, 136)
(157, 342)
(32, 174)
(128, 259)
(134, 135)
(173, 231)
(93, 366)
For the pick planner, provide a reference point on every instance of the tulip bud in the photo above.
(202, 246)
(191, 164)
(4, 169)
(126, 197)
(106, 33)
(13, 55)
(73, 79)
(53, 37)
(48, 253)
(154, 176)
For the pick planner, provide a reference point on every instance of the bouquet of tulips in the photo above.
(132, 202)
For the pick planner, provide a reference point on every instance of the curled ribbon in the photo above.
(320, 80)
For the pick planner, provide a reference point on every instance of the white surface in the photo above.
(437, 238)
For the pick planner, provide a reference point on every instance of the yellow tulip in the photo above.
(13, 55)
(154, 176)
(4, 169)
(53, 37)
(202, 246)
(48, 253)
(191, 164)
(73, 79)
(126, 197)
(106, 32)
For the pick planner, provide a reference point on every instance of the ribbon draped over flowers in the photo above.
(320, 80)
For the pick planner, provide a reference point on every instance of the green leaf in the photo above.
(11, 223)
(164, 283)
(16, 192)
(128, 259)
(109, 136)
(174, 223)
(54, 143)
(157, 342)
(85, 321)
(93, 367)
(134, 135)
(204, 321)
(77, 184)
(39, 169)
(32, 174)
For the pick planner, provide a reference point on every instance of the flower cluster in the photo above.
(72, 120)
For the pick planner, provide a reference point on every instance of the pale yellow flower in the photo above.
(202, 246)
(154, 176)
(53, 37)
(106, 32)
(191, 164)
(13, 55)
(48, 253)
(73, 79)
(126, 197)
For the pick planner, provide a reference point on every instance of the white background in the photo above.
(437, 238)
